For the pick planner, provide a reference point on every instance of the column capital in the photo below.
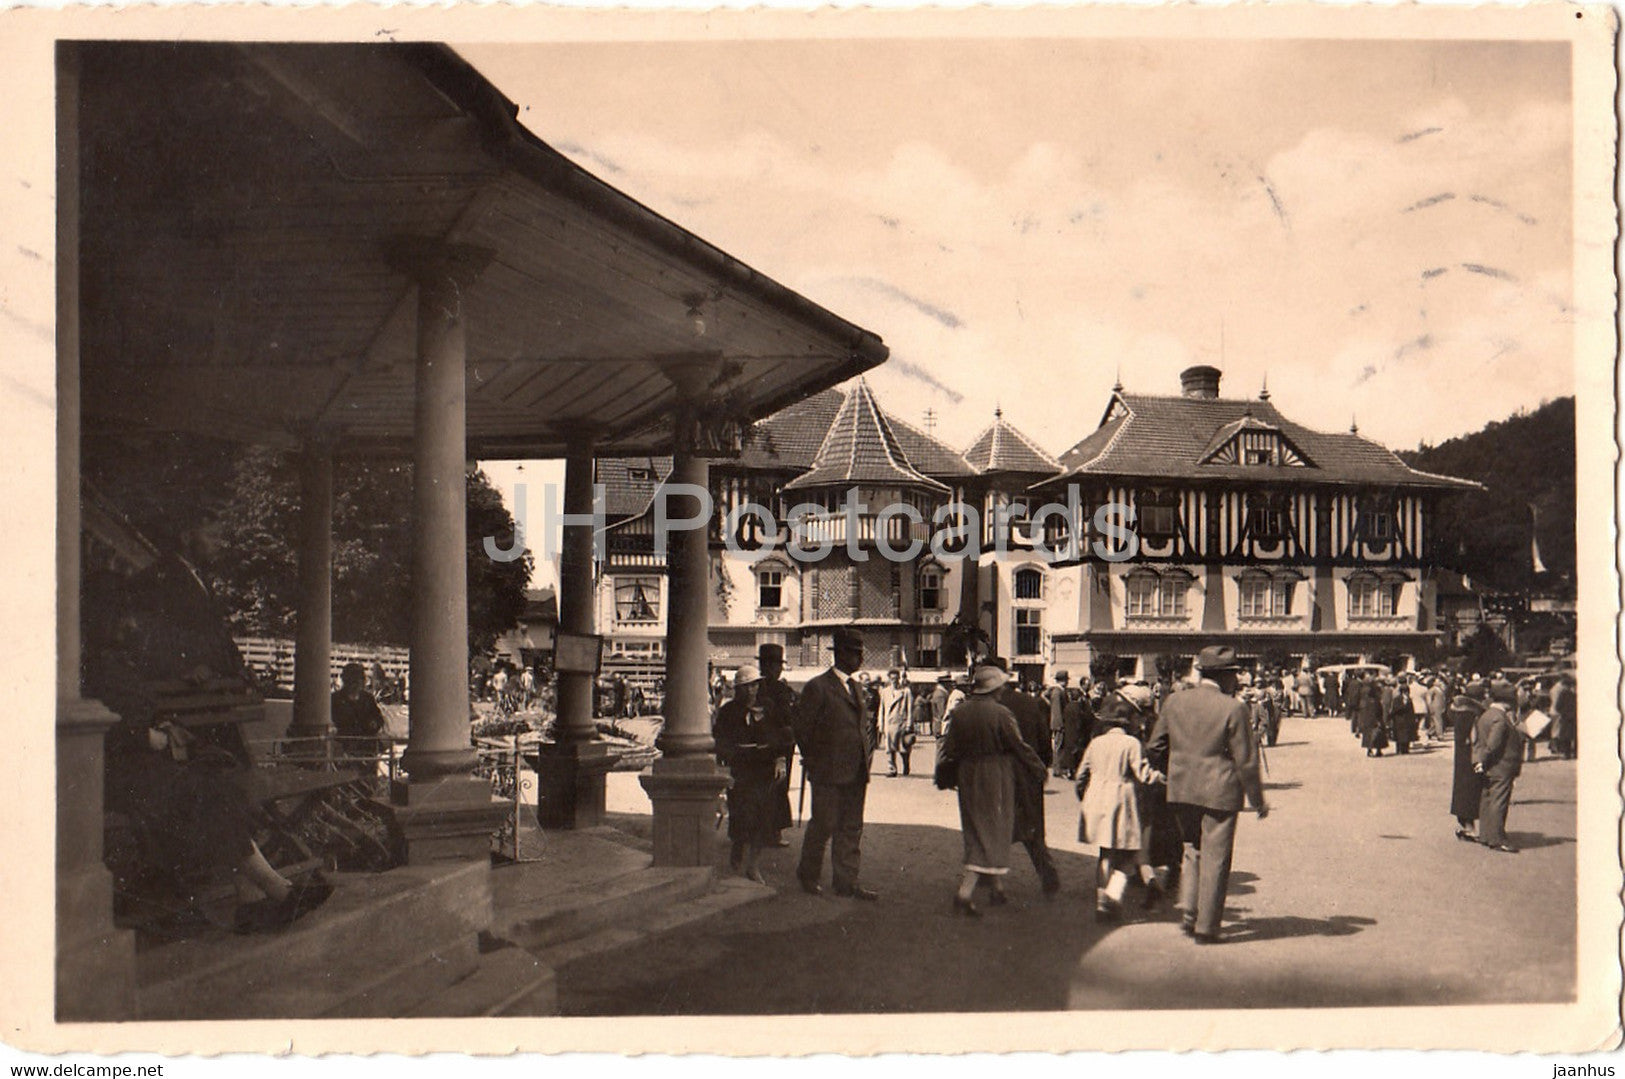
(428, 260)
(697, 374)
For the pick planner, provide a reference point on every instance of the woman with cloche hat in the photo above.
(752, 741)
(980, 751)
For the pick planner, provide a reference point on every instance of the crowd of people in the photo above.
(1159, 788)
(1161, 770)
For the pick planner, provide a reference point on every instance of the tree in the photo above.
(234, 511)
(1484, 652)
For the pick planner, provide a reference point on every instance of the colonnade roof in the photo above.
(248, 211)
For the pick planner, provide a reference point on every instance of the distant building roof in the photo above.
(541, 605)
(629, 483)
(1153, 437)
(1002, 448)
(861, 447)
(791, 438)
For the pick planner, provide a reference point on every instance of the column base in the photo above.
(570, 776)
(684, 793)
(448, 818)
(95, 960)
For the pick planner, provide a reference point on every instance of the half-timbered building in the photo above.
(1248, 529)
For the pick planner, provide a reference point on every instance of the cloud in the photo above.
(947, 318)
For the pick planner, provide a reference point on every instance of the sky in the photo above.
(1381, 229)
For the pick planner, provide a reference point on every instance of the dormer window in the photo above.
(1257, 456)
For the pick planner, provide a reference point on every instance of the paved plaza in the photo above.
(1354, 892)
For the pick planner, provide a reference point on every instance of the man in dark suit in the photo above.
(837, 735)
(1206, 735)
(1032, 720)
(1498, 757)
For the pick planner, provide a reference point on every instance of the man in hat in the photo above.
(1498, 757)
(1212, 766)
(897, 720)
(1055, 698)
(939, 702)
(837, 735)
(1032, 720)
(778, 701)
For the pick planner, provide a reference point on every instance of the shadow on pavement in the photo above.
(1338, 925)
(801, 954)
(1532, 840)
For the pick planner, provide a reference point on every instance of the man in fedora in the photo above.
(778, 700)
(1205, 736)
(837, 735)
(1498, 758)
(1032, 720)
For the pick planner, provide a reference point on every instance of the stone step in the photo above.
(509, 981)
(382, 943)
(727, 894)
(623, 901)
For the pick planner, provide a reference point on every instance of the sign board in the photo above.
(577, 653)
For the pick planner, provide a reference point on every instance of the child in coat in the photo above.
(1113, 767)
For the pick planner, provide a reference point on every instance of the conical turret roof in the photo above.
(860, 447)
(1002, 448)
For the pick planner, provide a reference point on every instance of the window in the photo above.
(1255, 597)
(1143, 592)
(928, 657)
(930, 590)
(770, 588)
(1373, 598)
(1029, 631)
(1029, 584)
(1171, 594)
(1151, 595)
(1263, 596)
(1376, 520)
(1158, 520)
(1258, 457)
(1264, 519)
(637, 599)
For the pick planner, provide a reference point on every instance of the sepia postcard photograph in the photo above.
(778, 532)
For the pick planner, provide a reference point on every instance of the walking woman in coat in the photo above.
(980, 751)
(1372, 723)
(1109, 780)
(1466, 786)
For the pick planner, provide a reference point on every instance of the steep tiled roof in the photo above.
(629, 483)
(861, 447)
(1167, 437)
(935, 459)
(789, 439)
(1002, 448)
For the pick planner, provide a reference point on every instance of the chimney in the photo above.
(1199, 381)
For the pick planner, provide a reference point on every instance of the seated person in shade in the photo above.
(356, 716)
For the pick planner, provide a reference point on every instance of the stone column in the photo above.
(571, 769)
(444, 812)
(313, 641)
(95, 961)
(684, 783)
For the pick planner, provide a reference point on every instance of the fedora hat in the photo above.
(748, 674)
(846, 637)
(987, 679)
(1217, 657)
(770, 653)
